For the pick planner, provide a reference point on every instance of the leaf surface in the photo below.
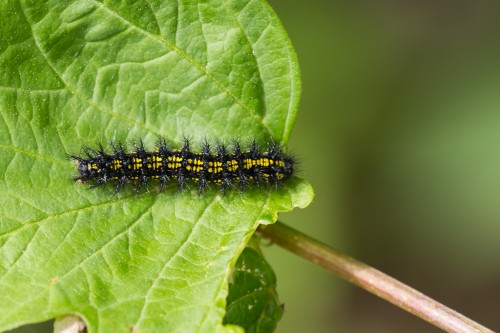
(252, 302)
(75, 73)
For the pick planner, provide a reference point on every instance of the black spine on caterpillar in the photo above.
(224, 168)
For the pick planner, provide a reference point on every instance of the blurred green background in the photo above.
(399, 133)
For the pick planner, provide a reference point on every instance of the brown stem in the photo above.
(370, 279)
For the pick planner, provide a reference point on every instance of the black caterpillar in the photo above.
(225, 168)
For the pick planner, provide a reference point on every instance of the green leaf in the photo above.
(252, 302)
(80, 72)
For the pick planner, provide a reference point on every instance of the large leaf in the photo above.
(79, 72)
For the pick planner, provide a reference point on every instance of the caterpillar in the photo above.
(226, 168)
